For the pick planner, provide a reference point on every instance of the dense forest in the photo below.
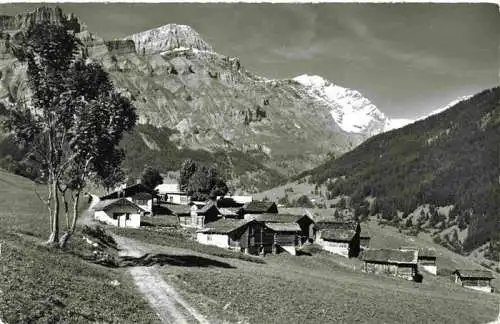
(451, 158)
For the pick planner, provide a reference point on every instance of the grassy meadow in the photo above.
(40, 285)
(321, 287)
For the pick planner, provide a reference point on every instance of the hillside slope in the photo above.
(451, 158)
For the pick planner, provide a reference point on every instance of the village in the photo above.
(254, 227)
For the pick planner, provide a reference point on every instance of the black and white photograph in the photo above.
(224, 162)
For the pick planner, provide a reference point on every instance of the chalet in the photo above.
(260, 207)
(474, 279)
(426, 259)
(139, 194)
(342, 238)
(238, 234)
(171, 193)
(119, 212)
(305, 223)
(364, 239)
(399, 263)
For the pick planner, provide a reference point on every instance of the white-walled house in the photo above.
(119, 212)
(171, 193)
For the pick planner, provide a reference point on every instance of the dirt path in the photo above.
(167, 303)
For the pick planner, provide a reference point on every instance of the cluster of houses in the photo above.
(243, 224)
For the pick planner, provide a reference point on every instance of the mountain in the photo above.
(209, 102)
(450, 159)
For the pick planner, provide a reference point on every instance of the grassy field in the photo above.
(40, 285)
(322, 287)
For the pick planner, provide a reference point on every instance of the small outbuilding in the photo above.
(364, 239)
(119, 212)
(171, 193)
(285, 237)
(427, 259)
(474, 279)
(394, 262)
(342, 238)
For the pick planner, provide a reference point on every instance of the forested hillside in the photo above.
(447, 159)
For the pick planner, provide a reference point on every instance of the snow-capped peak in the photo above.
(349, 108)
(168, 37)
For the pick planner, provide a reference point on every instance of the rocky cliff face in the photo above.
(167, 38)
(176, 80)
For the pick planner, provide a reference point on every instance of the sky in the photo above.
(407, 58)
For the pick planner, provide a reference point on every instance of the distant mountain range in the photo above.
(209, 103)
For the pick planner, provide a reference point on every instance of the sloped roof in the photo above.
(347, 225)
(277, 218)
(422, 252)
(179, 210)
(130, 191)
(108, 203)
(283, 227)
(224, 226)
(390, 256)
(474, 274)
(257, 206)
(207, 207)
(339, 234)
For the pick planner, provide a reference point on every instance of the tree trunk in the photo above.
(71, 229)
(54, 235)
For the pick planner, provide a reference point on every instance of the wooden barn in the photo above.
(260, 207)
(398, 263)
(285, 236)
(237, 234)
(119, 212)
(474, 279)
(305, 223)
(342, 238)
(426, 259)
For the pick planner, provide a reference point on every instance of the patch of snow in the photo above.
(349, 108)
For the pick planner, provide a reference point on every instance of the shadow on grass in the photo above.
(172, 260)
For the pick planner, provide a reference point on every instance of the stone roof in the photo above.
(179, 210)
(224, 226)
(393, 256)
(338, 235)
(422, 252)
(347, 225)
(108, 203)
(474, 274)
(277, 218)
(283, 227)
